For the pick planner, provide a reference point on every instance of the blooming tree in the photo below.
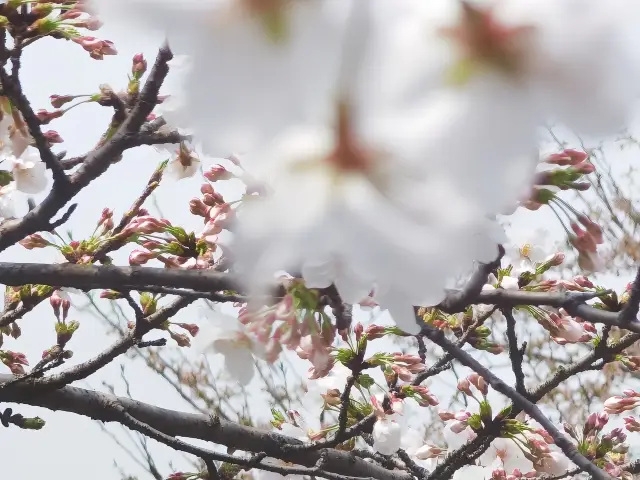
(355, 156)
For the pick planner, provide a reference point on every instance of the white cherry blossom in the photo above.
(456, 440)
(504, 453)
(554, 464)
(387, 436)
(509, 283)
(29, 171)
(225, 335)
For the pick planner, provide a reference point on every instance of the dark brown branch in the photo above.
(567, 447)
(630, 310)
(87, 277)
(516, 354)
(96, 405)
(459, 300)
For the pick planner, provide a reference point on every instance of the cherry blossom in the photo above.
(29, 172)
(506, 454)
(387, 433)
(457, 434)
(230, 339)
(555, 463)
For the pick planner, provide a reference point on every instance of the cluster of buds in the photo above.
(619, 404)
(397, 366)
(178, 249)
(15, 361)
(419, 393)
(210, 205)
(569, 178)
(181, 339)
(606, 450)
(305, 329)
(479, 339)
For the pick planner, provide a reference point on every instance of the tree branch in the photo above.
(457, 301)
(97, 406)
(630, 310)
(87, 277)
(515, 353)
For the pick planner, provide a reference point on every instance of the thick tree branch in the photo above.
(516, 354)
(568, 448)
(457, 301)
(87, 277)
(99, 406)
(630, 310)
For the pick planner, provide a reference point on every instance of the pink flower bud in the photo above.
(218, 172)
(631, 424)
(357, 331)
(189, 327)
(181, 339)
(374, 332)
(567, 157)
(57, 101)
(618, 404)
(403, 373)
(585, 168)
(140, 257)
(52, 136)
(557, 259)
(45, 117)
(465, 386)
(458, 427)
(583, 281)
(479, 383)
(33, 241)
(197, 207)
(444, 415)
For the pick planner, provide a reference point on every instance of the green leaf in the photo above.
(366, 381)
(5, 178)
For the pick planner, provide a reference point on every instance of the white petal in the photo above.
(31, 180)
(240, 366)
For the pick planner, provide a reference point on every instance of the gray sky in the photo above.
(73, 447)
